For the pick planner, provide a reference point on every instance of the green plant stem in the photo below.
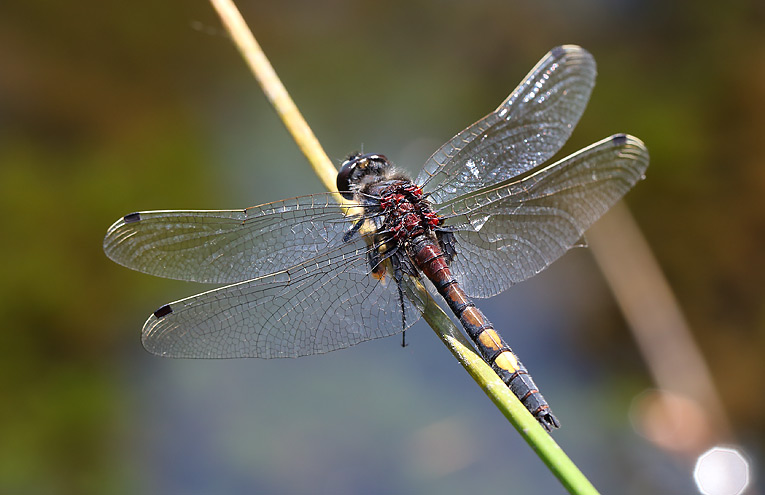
(539, 440)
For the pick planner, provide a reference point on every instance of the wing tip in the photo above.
(152, 333)
(562, 50)
(628, 141)
(632, 148)
(620, 139)
(163, 311)
(559, 51)
(565, 51)
(113, 233)
(132, 217)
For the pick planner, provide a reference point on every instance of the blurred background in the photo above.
(112, 107)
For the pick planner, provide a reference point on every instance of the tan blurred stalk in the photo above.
(276, 92)
(662, 335)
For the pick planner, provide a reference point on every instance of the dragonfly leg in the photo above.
(352, 231)
(398, 275)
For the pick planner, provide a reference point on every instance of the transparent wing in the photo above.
(228, 246)
(528, 128)
(513, 230)
(325, 303)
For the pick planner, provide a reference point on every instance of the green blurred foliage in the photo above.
(108, 107)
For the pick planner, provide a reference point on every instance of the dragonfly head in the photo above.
(358, 166)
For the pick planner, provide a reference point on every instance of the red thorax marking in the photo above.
(408, 214)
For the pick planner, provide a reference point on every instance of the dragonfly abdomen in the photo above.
(430, 260)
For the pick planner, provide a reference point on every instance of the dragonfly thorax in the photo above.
(373, 181)
(407, 214)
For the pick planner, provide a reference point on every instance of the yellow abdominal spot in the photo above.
(489, 339)
(507, 361)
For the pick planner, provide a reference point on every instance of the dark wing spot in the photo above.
(557, 52)
(163, 311)
(619, 139)
(133, 217)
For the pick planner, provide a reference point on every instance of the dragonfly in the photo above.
(316, 273)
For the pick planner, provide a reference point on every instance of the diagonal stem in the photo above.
(275, 92)
(539, 440)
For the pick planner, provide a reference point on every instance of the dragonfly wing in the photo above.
(528, 128)
(325, 303)
(227, 246)
(508, 233)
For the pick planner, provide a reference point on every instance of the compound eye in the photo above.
(344, 177)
